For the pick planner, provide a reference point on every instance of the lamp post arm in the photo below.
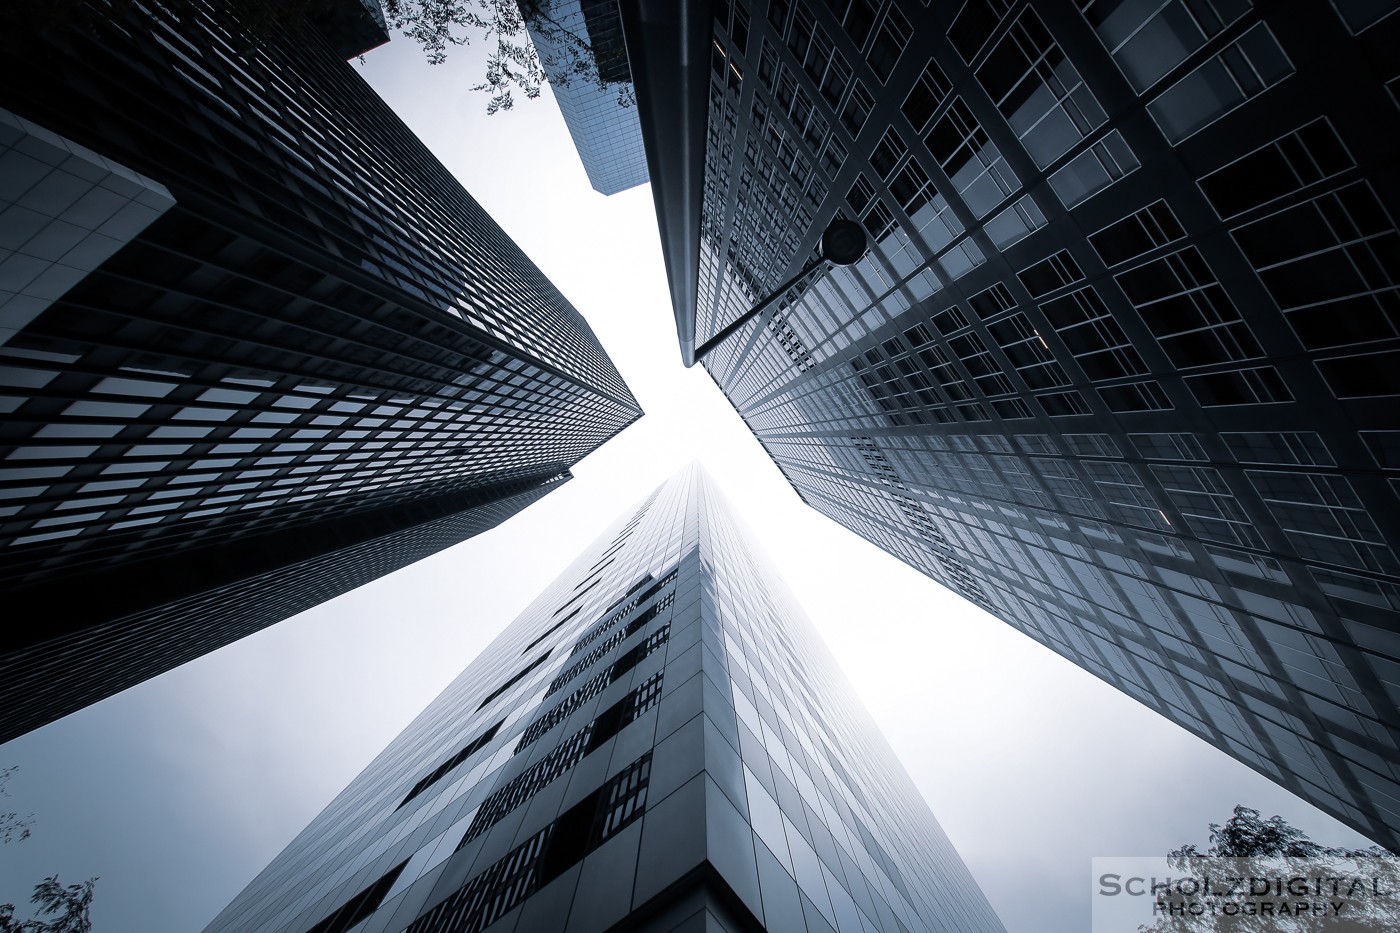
(704, 349)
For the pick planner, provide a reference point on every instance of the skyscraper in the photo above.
(261, 347)
(586, 36)
(1121, 363)
(660, 738)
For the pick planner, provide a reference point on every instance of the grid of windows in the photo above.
(322, 347)
(756, 779)
(1107, 240)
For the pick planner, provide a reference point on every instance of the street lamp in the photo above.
(843, 243)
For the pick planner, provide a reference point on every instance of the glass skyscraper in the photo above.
(1122, 363)
(259, 346)
(584, 41)
(661, 738)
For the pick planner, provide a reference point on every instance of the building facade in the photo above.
(1121, 363)
(660, 739)
(260, 347)
(585, 59)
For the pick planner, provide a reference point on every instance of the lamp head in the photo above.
(843, 242)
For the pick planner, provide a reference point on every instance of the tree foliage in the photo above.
(1277, 849)
(1246, 835)
(67, 906)
(13, 827)
(513, 62)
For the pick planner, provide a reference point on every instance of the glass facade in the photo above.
(1120, 365)
(660, 735)
(280, 344)
(601, 120)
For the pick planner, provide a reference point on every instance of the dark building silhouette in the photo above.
(1121, 363)
(660, 741)
(260, 347)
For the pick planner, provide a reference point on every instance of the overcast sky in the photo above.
(179, 791)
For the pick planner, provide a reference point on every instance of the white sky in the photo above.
(179, 791)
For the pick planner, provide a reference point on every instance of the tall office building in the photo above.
(660, 741)
(1121, 364)
(261, 347)
(583, 53)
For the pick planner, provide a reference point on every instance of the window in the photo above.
(981, 364)
(1292, 447)
(857, 109)
(1049, 274)
(1332, 265)
(1094, 169)
(1260, 385)
(611, 721)
(1038, 91)
(1193, 319)
(1088, 329)
(929, 91)
(1247, 67)
(1136, 396)
(888, 152)
(991, 301)
(1029, 353)
(1204, 500)
(1303, 157)
(1365, 376)
(636, 655)
(1147, 40)
(361, 905)
(890, 42)
(974, 24)
(441, 771)
(1015, 222)
(516, 679)
(544, 856)
(1138, 233)
(857, 16)
(949, 321)
(965, 152)
(1326, 520)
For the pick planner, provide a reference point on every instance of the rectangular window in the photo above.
(890, 42)
(1326, 520)
(1049, 274)
(361, 905)
(517, 678)
(1367, 376)
(1301, 158)
(974, 24)
(1247, 67)
(1094, 169)
(928, 93)
(965, 152)
(1015, 223)
(1141, 232)
(1136, 396)
(544, 856)
(1332, 265)
(1182, 304)
(1147, 40)
(438, 773)
(857, 16)
(1028, 352)
(1257, 386)
(1303, 448)
(1210, 510)
(857, 109)
(1038, 90)
(1088, 329)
